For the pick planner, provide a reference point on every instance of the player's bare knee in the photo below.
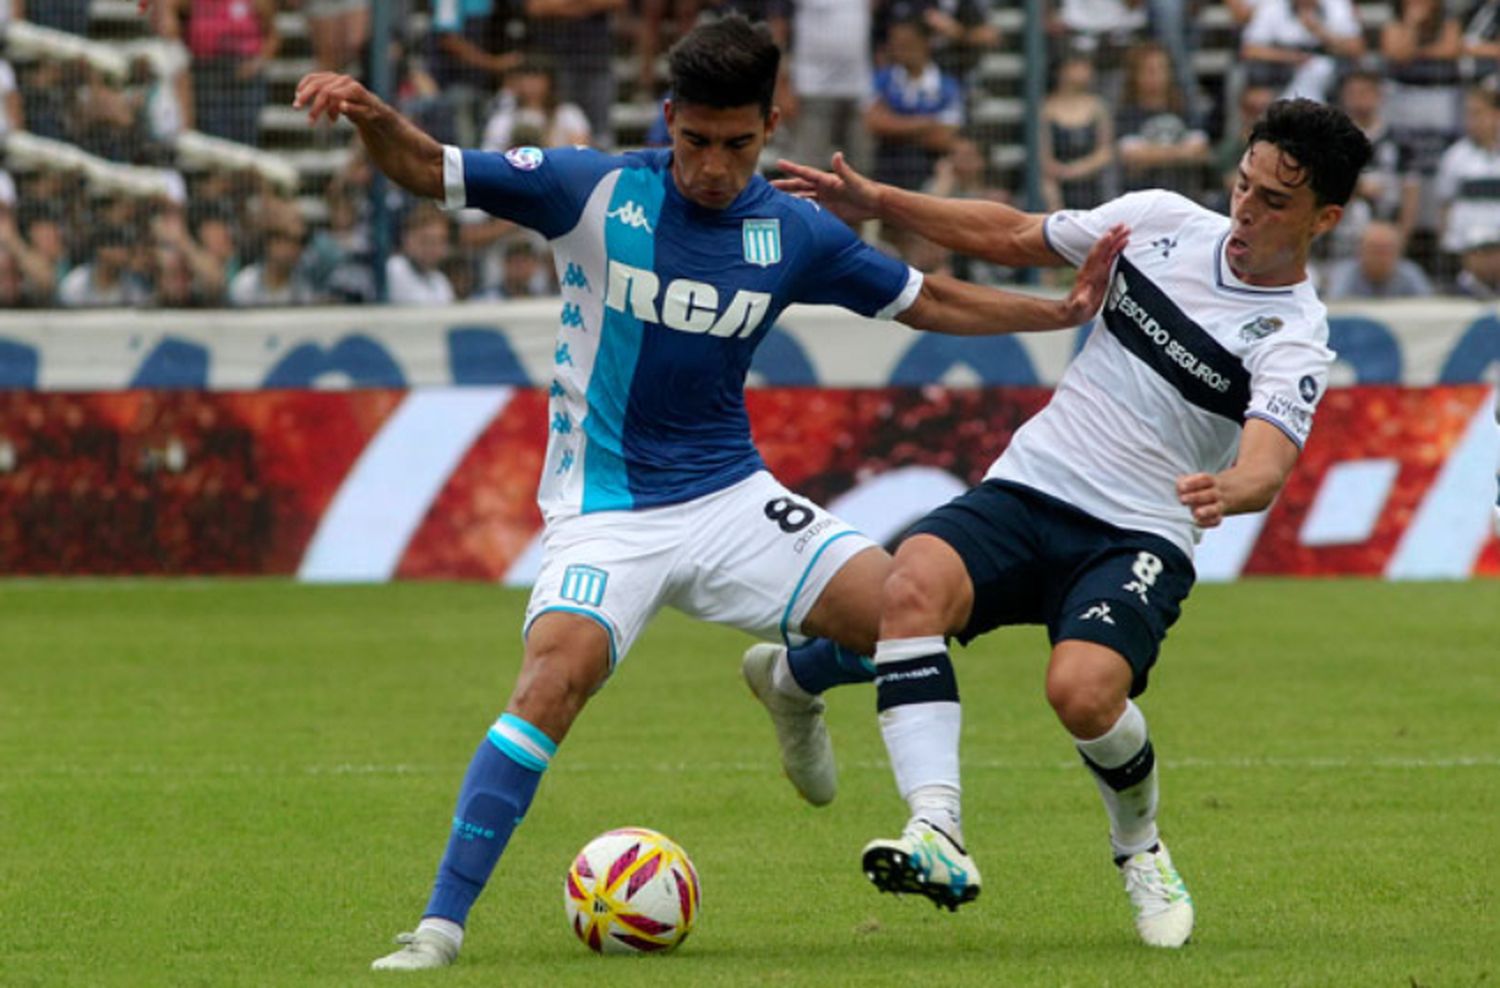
(556, 681)
(911, 604)
(550, 695)
(1088, 706)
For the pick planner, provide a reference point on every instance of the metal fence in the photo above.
(157, 160)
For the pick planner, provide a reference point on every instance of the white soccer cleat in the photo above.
(420, 951)
(806, 749)
(926, 861)
(1163, 908)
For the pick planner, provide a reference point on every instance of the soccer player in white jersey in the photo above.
(674, 265)
(1190, 401)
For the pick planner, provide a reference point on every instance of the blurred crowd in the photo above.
(155, 161)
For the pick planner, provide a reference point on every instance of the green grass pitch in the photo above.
(249, 783)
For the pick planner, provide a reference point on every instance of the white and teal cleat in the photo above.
(806, 750)
(420, 951)
(1163, 907)
(926, 861)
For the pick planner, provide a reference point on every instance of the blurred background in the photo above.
(161, 203)
(156, 160)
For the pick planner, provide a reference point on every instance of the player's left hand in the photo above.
(1200, 492)
(330, 95)
(844, 192)
(1093, 278)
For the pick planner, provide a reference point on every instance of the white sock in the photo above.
(783, 682)
(1122, 756)
(444, 927)
(938, 804)
(921, 735)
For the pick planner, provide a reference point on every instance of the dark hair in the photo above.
(1330, 151)
(725, 64)
(422, 214)
(1361, 75)
(112, 234)
(1487, 89)
(912, 19)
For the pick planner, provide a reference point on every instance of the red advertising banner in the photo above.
(372, 485)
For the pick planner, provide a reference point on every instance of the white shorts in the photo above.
(753, 556)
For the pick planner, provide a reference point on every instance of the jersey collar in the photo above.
(1225, 281)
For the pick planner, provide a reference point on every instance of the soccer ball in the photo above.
(631, 891)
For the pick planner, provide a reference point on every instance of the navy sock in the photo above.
(495, 794)
(823, 663)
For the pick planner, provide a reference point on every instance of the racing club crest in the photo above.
(1260, 327)
(762, 240)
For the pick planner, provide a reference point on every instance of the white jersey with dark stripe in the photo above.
(1181, 355)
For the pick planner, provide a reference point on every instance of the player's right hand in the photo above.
(1200, 493)
(1092, 283)
(844, 192)
(331, 95)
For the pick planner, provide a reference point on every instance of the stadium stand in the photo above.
(116, 106)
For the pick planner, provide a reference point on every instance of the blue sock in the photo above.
(823, 663)
(498, 788)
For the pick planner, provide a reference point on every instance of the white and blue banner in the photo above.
(1413, 343)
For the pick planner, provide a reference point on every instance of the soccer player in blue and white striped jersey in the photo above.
(674, 264)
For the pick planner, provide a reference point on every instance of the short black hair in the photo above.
(912, 19)
(1487, 89)
(1330, 150)
(724, 64)
(1360, 74)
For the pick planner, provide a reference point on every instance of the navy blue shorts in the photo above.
(1036, 560)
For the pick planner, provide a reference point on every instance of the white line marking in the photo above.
(767, 765)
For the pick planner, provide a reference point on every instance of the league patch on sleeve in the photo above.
(1295, 419)
(526, 159)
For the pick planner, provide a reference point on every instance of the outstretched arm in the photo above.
(980, 228)
(1259, 472)
(398, 147)
(947, 305)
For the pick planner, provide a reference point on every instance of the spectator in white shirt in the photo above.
(1479, 275)
(415, 275)
(106, 281)
(831, 77)
(275, 279)
(528, 104)
(12, 114)
(1468, 176)
(1297, 44)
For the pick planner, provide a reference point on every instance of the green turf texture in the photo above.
(249, 783)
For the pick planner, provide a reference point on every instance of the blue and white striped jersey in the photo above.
(664, 303)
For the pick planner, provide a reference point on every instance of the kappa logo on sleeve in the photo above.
(526, 159)
(1308, 388)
